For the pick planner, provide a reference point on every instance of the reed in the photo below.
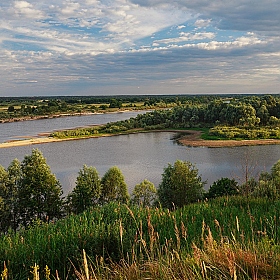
(226, 237)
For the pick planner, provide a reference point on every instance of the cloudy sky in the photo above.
(110, 47)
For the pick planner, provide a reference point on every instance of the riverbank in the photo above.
(192, 138)
(31, 141)
(53, 116)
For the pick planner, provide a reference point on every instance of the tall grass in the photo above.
(226, 237)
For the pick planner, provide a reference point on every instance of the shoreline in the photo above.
(54, 116)
(194, 140)
(191, 139)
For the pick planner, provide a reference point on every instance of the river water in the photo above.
(143, 156)
(23, 129)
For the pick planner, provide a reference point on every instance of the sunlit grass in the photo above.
(228, 238)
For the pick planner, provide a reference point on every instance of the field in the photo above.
(227, 238)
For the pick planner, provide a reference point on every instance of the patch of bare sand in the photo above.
(193, 139)
(31, 141)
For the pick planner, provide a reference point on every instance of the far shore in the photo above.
(53, 116)
(192, 138)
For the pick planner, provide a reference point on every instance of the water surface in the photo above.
(144, 156)
(23, 129)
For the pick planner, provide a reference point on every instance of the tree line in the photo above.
(29, 191)
(231, 118)
(18, 107)
(244, 112)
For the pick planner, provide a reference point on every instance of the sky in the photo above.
(120, 47)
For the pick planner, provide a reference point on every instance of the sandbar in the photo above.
(192, 138)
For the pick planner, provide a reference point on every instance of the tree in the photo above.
(266, 187)
(11, 108)
(275, 174)
(114, 187)
(40, 191)
(144, 193)
(180, 185)
(223, 187)
(114, 103)
(9, 185)
(87, 190)
(4, 211)
(13, 185)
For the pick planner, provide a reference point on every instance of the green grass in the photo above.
(115, 234)
(241, 133)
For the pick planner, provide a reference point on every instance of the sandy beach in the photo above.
(192, 139)
(31, 141)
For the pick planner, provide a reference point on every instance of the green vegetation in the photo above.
(144, 194)
(28, 191)
(114, 187)
(87, 191)
(16, 108)
(223, 187)
(176, 232)
(249, 117)
(233, 237)
(226, 132)
(207, 240)
(181, 185)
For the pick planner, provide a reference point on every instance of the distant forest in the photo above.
(16, 107)
(224, 117)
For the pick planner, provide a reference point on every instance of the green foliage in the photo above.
(87, 191)
(12, 195)
(268, 185)
(233, 118)
(4, 211)
(74, 133)
(223, 187)
(11, 108)
(114, 103)
(275, 174)
(28, 191)
(227, 132)
(180, 185)
(39, 192)
(114, 187)
(114, 233)
(144, 194)
(266, 189)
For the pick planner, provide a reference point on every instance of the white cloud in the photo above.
(186, 37)
(181, 27)
(200, 23)
(57, 43)
(70, 8)
(25, 9)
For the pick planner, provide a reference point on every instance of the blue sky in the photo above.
(106, 47)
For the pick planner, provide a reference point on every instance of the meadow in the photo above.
(226, 238)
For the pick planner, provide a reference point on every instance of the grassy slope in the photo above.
(116, 232)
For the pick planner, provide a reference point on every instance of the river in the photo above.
(142, 156)
(24, 129)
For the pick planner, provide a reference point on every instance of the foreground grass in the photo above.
(231, 238)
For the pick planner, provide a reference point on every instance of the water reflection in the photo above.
(143, 156)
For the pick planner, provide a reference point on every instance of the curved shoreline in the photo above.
(194, 140)
(191, 139)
